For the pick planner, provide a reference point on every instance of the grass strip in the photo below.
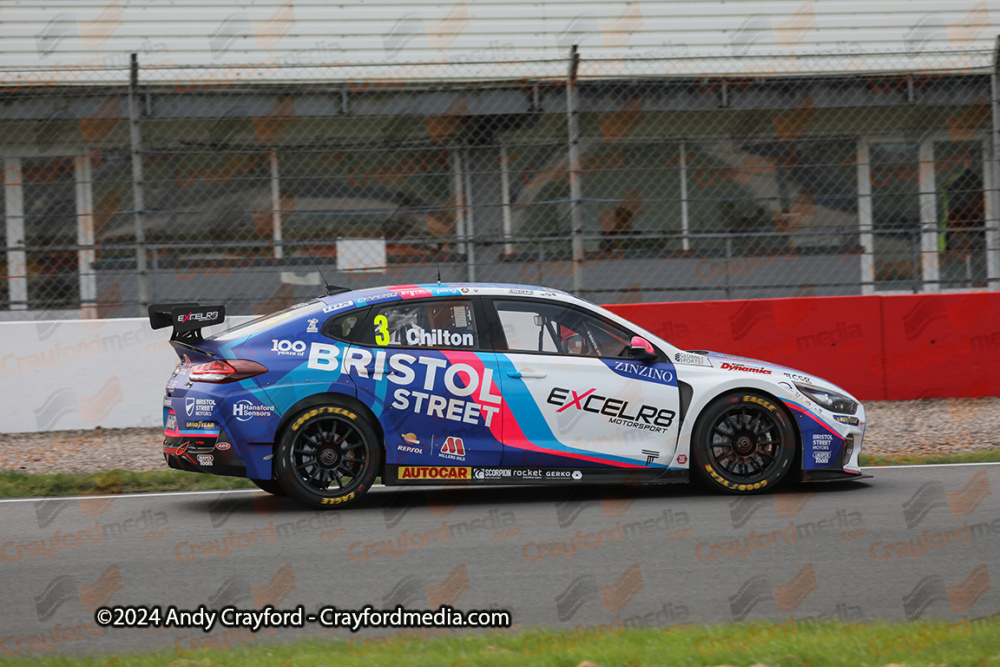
(19, 484)
(790, 644)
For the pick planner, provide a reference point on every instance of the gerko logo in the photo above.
(618, 32)
(449, 590)
(759, 589)
(238, 589)
(613, 597)
(932, 589)
(64, 588)
(620, 124)
(270, 126)
(960, 503)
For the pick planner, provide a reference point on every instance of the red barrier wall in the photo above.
(876, 347)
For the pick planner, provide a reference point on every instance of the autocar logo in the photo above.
(189, 406)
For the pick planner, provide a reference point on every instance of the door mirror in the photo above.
(642, 349)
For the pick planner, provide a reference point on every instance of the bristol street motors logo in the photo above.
(199, 407)
(245, 410)
(453, 448)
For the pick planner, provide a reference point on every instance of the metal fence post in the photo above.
(575, 184)
(992, 221)
(138, 185)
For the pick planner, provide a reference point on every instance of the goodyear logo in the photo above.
(430, 472)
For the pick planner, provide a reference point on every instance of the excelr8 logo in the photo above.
(295, 348)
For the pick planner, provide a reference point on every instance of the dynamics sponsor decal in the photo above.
(743, 368)
(645, 417)
(434, 472)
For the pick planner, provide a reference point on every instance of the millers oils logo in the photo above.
(422, 472)
(453, 448)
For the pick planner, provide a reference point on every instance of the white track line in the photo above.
(222, 491)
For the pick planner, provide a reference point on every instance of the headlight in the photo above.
(830, 400)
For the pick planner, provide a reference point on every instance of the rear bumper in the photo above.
(203, 455)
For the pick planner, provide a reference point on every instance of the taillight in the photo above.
(230, 370)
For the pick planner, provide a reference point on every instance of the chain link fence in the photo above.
(652, 179)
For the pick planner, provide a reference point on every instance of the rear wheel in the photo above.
(327, 456)
(744, 443)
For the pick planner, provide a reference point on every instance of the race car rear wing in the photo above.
(187, 319)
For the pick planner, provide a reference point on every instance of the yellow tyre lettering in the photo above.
(312, 413)
(338, 501)
(381, 330)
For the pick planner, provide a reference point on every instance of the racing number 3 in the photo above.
(381, 330)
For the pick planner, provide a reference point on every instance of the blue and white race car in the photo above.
(485, 384)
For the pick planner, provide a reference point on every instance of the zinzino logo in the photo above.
(453, 446)
(433, 473)
(726, 366)
(199, 317)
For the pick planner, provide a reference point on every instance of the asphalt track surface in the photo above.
(912, 543)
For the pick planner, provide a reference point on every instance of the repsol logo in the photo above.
(647, 416)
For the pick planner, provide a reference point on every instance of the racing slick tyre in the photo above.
(327, 456)
(744, 443)
(269, 485)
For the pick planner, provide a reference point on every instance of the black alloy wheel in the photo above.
(327, 456)
(744, 443)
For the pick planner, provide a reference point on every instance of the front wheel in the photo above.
(327, 456)
(744, 443)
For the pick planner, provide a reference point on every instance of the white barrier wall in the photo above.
(78, 374)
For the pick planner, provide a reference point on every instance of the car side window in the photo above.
(447, 324)
(345, 327)
(530, 326)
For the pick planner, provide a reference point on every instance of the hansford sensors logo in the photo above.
(244, 410)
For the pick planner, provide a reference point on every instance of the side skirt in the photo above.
(398, 475)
